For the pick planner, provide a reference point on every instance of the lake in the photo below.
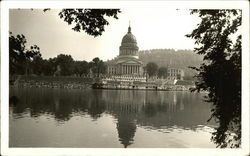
(42, 117)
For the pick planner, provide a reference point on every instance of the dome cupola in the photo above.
(129, 44)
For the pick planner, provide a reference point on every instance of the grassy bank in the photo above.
(52, 82)
(62, 79)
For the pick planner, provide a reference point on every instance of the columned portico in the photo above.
(130, 69)
(126, 69)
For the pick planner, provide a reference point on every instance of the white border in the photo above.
(120, 151)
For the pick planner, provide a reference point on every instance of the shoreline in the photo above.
(89, 83)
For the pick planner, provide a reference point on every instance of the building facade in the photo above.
(127, 65)
(175, 74)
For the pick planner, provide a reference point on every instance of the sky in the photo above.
(153, 28)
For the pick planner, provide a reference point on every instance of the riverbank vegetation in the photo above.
(219, 41)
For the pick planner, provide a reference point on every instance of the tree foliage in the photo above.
(65, 62)
(151, 69)
(29, 61)
(19, 55)
(162, 72)
(220, 73)
(24, 60)
(98, 66)
(81, 68)
(37, 64)
(92, 21)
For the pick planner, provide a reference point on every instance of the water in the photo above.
(108, 118)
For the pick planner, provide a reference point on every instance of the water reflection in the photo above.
(13, 101)
(148, 109)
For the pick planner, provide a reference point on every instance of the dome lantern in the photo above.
(129, 28)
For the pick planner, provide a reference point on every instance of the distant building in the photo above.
(127, 66)
(175, 74)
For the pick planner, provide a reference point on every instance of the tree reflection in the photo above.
(62, 108)
(96, 106)
(149, 110)
(14, 100)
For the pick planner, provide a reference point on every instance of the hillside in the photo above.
(171, 58)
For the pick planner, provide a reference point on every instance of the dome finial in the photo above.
(129, 28)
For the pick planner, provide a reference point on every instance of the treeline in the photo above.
(182, 59)
(27, 61)
(65, 65)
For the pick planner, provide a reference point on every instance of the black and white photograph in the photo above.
(125, 78)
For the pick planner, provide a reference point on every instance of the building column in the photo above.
(126, 69)
(122, 69)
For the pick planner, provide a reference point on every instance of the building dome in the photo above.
(128, 39)
(129, 44)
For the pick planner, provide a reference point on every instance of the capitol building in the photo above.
(127, 66)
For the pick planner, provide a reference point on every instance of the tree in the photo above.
(65, 62)
(98, 67)
(49, 66)
(162, 72)
(81, 67)
(151, 69)
(37, 65)
(220, 74)
(19, 56)
(92, 21)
